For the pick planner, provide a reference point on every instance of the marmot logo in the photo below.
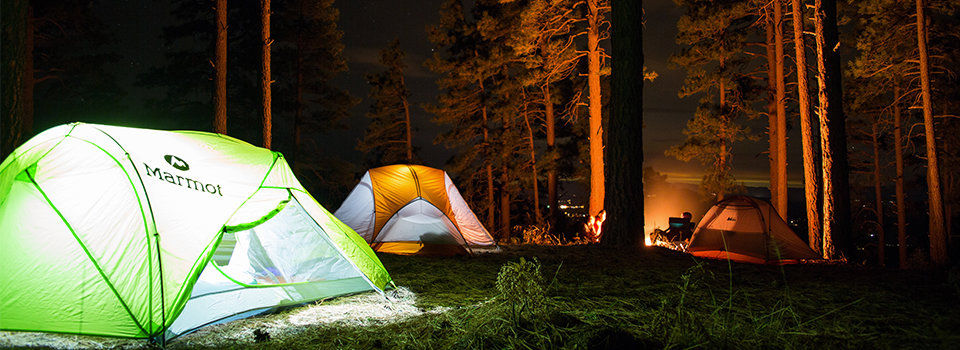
(177, 162)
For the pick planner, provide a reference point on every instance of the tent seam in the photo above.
(156, 235)
(143, 215)
(340, 250)
(87, 252)
(354, 243)
(64, 136)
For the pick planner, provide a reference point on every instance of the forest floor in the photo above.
(601, 299)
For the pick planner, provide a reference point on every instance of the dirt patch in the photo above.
(67, 341)
(361, 310)
(357, 310)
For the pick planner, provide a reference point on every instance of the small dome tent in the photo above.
(747, 229)
(412, 209)
(150, 234)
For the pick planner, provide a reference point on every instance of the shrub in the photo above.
(540, 235)
(520, 286)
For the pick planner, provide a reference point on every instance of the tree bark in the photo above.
(624, 202)
(15, 17)
(780, 104)
(772, 151)
(901, 206)
(723, 157)
(504, 206)
(406, 120)
(29, 76)
(878, 198)
(596, 121)
(491, 210)
(810, 186)
(533, 164)
(298, 112)
(550, 121)
(938, 240)
(220, 94)
(265, 68)
(836, 211)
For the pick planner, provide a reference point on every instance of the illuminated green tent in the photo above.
(143, 233)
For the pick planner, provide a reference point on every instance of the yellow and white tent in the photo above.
(412, 209)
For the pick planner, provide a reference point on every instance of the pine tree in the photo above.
(713, 35)
(15, 52)
(388, 136)
(875, 75)
(867, 127)
(595, 15)
(463, 105)
(901, 197)
(938, 239)
(778, 116)
(191, 81)
(624, 226)
(810, 178)
(544, 41)
(309, 54)
(308, 51)
(220, 91)
(60, 71)
(833, 143)
(306, 55)
(266, 80)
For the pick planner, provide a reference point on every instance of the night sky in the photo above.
(370, 25)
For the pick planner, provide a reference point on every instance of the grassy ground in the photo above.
(596, 299)
(657, 299)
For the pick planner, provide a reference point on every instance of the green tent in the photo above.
(150, 234)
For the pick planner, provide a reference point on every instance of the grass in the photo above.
(598, 298)
(602, 299)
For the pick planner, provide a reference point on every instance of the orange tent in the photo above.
(747, 229)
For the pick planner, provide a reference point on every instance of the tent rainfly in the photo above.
(151, 234)
(412, 209)
(747, 229)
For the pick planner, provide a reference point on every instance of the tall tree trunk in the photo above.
(550, 121)
(596, 121)
(298, 112)
(491, 211)
(533, 165)
(504, 206)
(772, 116)
(15, 16)
(881, 239)
(624, 202)
(901, 206)
(220, 94)
(29, 76)
(723, 158)
(836, 206)
(938, 240)
(265, 68)
(780, 103)
(810, 185)
(406, 120)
